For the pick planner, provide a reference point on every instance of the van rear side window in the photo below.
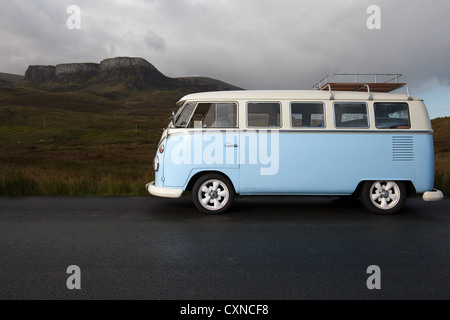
(392, 115)
(305, 115)
(351, 115)
(264, 114)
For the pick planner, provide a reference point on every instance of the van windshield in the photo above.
(182, 118)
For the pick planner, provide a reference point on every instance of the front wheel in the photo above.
(383, 197)
(213, 194)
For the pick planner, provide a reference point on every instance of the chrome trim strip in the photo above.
(183, 131)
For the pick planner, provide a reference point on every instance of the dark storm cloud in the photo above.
(255, 44)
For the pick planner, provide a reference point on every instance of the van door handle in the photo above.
(229, 145)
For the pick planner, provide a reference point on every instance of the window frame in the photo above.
(351, 103)
(308, 102)
(393, 102)
(235, 103)
(181, 113)
(280, 105)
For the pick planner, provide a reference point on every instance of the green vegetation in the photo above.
(441, 127)
(79, 143)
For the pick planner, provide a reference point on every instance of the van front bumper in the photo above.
(434, 195)
(163, 192)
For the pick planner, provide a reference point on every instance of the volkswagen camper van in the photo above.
(342, 139)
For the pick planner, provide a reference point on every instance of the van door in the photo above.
(260, 148)
(218, 135)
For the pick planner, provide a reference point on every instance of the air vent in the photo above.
(403, 148)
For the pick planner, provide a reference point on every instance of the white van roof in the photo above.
(275, 95)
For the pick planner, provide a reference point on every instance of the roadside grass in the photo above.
(100, 167)
(442, 172)
(62, 149)
(85, 180)
(441, 127)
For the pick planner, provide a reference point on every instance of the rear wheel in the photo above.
(213, 194)
(383, 197)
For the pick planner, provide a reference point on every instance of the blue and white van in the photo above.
(374, 145)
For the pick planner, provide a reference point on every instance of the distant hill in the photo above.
(202, 82)
(8, 79)
(125, 74)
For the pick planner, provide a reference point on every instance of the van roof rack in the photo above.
(380, 82)
(370, 82)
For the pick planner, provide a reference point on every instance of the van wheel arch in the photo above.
(198, 175)
(410, 189)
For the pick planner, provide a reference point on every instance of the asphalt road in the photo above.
(265, 248)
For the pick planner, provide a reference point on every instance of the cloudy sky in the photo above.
(254, 44)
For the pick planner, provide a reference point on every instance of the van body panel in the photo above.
(188, 152)
(334, 164)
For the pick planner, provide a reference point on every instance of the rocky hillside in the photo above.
(133, 73)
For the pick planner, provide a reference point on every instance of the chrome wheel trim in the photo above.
(385, 195)
(213, 194)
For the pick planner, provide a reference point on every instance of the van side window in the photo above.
(351, 115)
(264, 114)
(392, 115)
(307, 115)
(214, 115)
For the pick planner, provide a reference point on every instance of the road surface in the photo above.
(265, 248)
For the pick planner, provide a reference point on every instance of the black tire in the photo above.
(383, 197)
(213, 193)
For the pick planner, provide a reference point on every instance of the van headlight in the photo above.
(156, 163)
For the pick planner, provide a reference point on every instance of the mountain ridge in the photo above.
(130, 72)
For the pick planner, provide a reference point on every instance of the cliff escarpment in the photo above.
(131, 73)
